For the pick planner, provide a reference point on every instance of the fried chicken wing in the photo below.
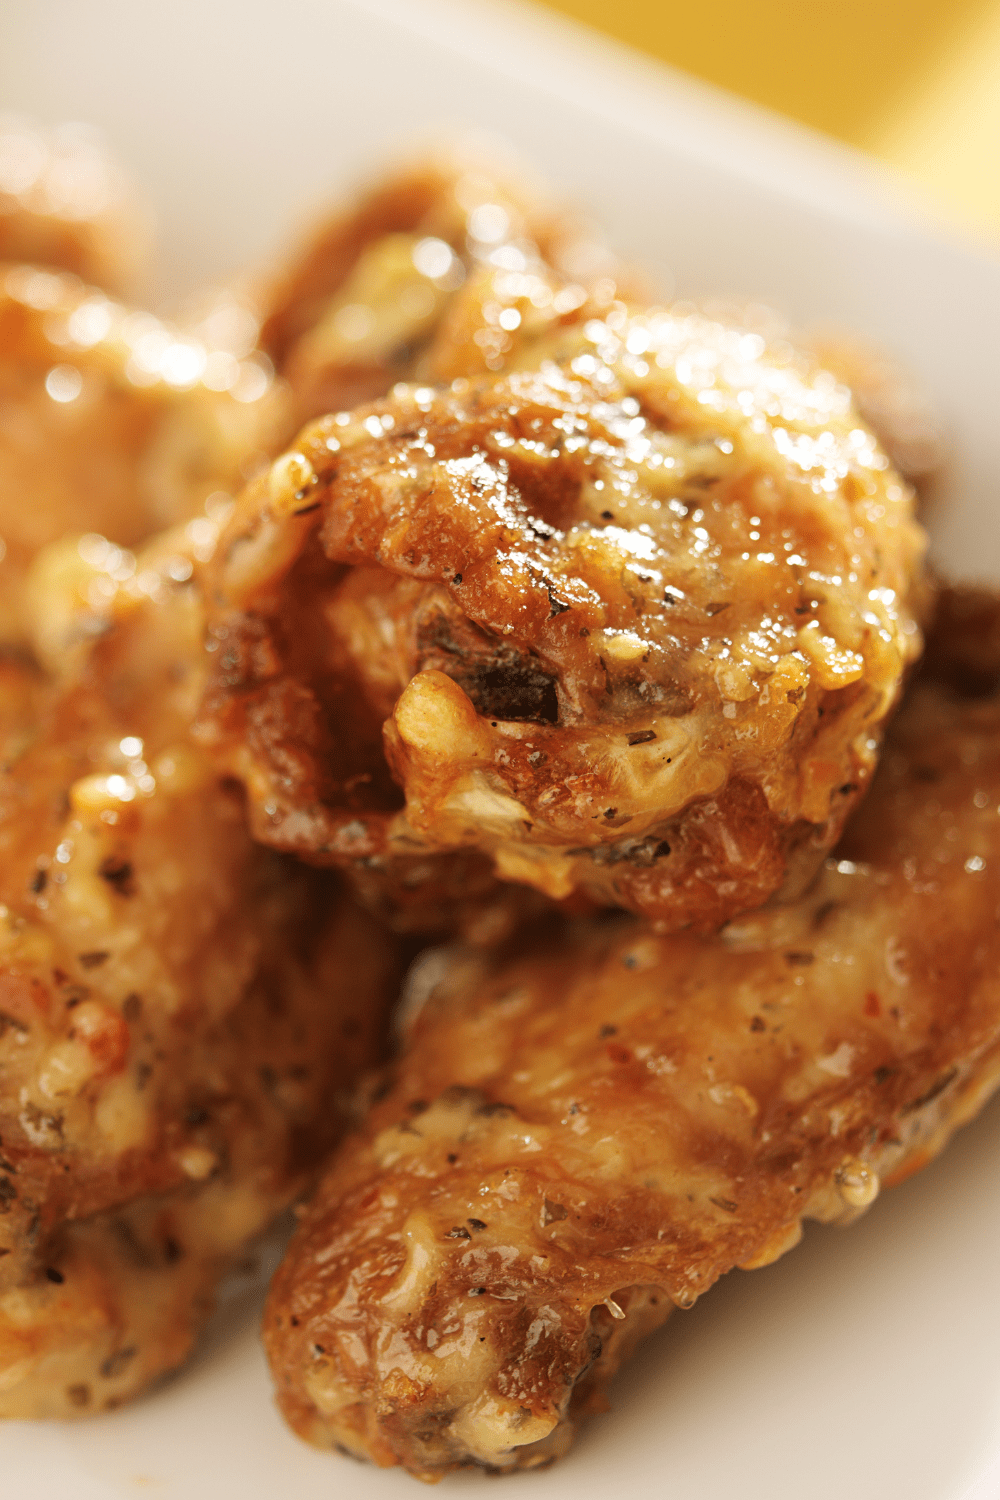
(581, 1137)
(65, 203)
(112, 424)
(630, 623)
(177, 1004)
(119, 1305)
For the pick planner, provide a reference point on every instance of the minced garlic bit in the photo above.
(857, 1183)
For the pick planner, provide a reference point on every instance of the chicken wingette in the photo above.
(587, 1131)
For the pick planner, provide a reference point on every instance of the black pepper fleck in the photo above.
(119, 875)
(95, 959)
(115, 1363)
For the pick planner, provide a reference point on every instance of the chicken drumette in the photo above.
(629, 623)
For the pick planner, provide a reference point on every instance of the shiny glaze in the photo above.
(181, 1011)
(380, 293)
(587, 1131)
(632, 619)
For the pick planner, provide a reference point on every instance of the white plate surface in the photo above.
(866, 1363)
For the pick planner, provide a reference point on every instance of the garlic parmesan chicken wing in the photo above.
(584, 1135)
(112, 424)
(630, 623)
(182, 1015)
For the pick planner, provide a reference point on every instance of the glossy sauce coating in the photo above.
(632, 620)
(457, 264)
(180, 1010)
(582, 1135)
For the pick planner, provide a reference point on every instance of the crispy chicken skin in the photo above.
(109, 423)
(455, 266)
(178, 1005)
(65, 203)
(630, 623)
(579, 1138)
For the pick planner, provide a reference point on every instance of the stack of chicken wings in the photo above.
(553, 767)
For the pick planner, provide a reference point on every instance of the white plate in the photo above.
(864, 1363)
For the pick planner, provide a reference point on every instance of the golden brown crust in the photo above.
(633, 621)
(402, 285)
(242, 1110)
(176, 1003)
(583, 1135)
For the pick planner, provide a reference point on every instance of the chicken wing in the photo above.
(110, 1301)
(120, 1305)
(178, 1006)
(580, 1137)
(629, 623)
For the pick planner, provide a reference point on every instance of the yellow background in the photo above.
(916, 82)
